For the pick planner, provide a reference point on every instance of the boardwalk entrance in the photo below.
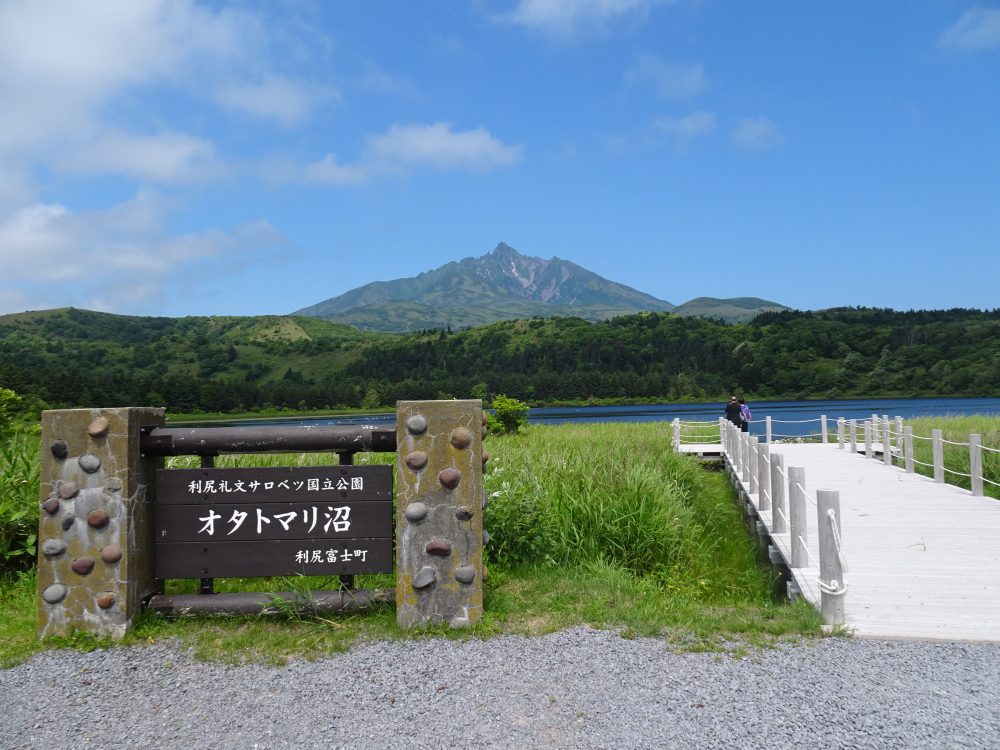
(923, 557)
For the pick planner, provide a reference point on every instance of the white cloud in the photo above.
(284, 100)
(686, 127)
(977, 28)
(669, 80)
(406, 147)
(53, 257)
(756, 134)
(564, 17)
(165, 157)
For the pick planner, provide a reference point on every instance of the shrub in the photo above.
(509, 415)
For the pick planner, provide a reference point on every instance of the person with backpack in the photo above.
(733, 411)
(744, 415)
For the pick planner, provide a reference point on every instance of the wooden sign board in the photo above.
(274, 521)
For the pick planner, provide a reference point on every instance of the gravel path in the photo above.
(579, 688)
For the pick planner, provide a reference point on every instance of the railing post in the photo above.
(764, 477)
(976, 465)
(869, 453)
(908, 448)
(874, 421)
(899, 434)
(937, 448)
(745, 458)
(840, 433)
(799, 532)
(778, 524)
(822, 428)
(754, 466)
(831, 571)
(854, 436)
(887, 444)
(767, 422)
(677, 434)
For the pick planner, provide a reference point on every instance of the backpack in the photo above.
(745, 412)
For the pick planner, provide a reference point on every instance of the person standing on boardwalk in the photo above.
(733, 411)
(744, 415)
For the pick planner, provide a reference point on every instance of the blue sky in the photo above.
(173, 157)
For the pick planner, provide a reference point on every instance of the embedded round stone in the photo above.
(417, 424)
(90, 463)
(486, 457)
(98, 518)
(486, 537)
(111, 554)
(98, 427)
(461, 438)
(465, 574)
(105, 600)
(68, 490)
(416, 460)
(53, 547)
(114, 484)
(82, 565)
(415, 512)
(424, 577)
(463, 513)
(51, 506)
(485, 431)
(59, 449)
(55, 593)
(68, 520)
(439, 547)
(486, 418)
(450, 478)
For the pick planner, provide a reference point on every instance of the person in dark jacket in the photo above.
(733, 412)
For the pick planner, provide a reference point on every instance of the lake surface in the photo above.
(790, 418)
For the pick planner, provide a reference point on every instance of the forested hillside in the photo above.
(79, 358)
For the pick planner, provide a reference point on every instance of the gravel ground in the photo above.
(579, 688)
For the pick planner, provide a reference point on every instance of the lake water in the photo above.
(791, 417)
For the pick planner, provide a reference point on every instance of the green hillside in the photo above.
(74, 357)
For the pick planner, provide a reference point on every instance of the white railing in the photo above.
(876, 437)
(767, 486)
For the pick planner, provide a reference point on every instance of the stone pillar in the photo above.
(439, 512)
(95, 546)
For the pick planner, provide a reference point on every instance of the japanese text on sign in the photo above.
(239, 486)
(337, 518)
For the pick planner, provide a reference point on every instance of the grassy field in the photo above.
(599, 524)
(956, 457)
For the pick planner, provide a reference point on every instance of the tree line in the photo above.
(78, 358)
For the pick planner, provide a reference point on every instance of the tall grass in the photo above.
(956, 457)
(19, 469)
(616, 494)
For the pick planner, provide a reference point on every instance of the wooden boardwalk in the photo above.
(923, 558)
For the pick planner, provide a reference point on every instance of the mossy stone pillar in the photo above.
(439, 512)
(95, 545)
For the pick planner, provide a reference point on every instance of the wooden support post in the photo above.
(798, 527)
(677, 434)
(831, 571)
(754, 488)
(764, 478)
(899, 434)
(976, 464)
(840, 433)
(822, 428)
(854, 436)
(908, 448)
(869, 453)
(767, 422)
(886, 444)
(778, 512)
(937, 448)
